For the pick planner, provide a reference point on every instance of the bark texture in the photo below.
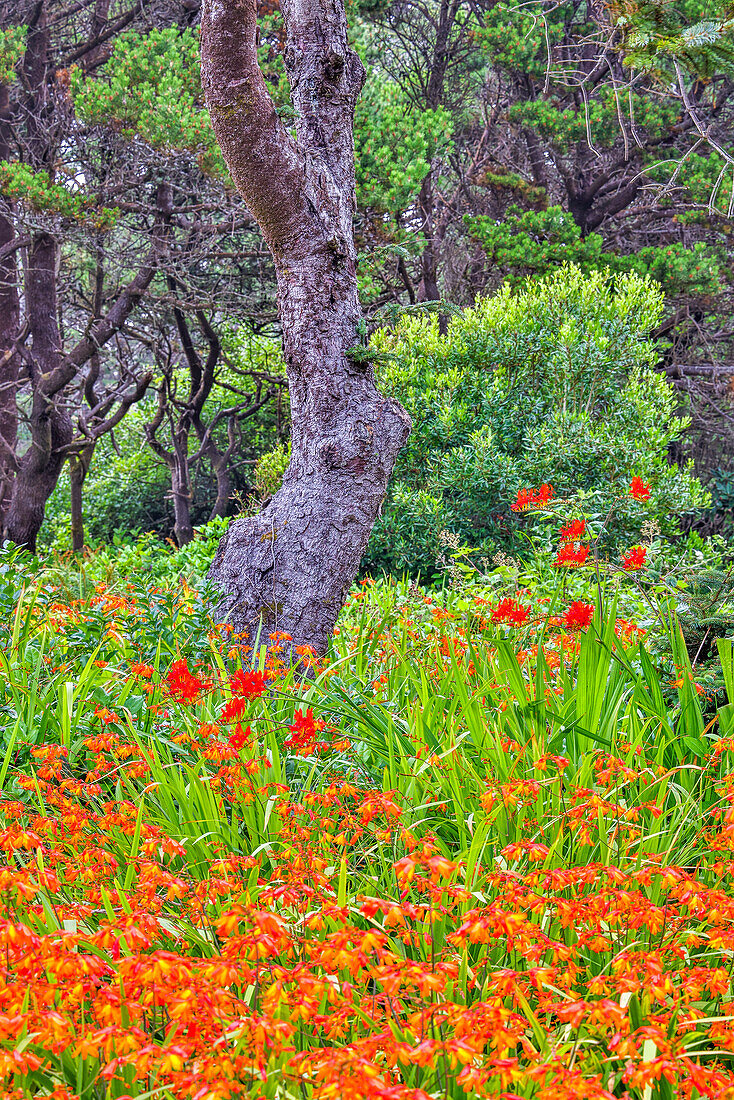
(9, 326)
(289, 567)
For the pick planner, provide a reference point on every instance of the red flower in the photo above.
(579, 615)
(571, 556)
(240, 737)
(233, 710)
(639, 490)
(533, 498)
(182, 684)
(573, 531)
(635, 558)
(247, 685)
(303, 731)
(510, 611)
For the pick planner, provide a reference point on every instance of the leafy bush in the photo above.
(553, 383)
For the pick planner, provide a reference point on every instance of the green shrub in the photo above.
(270, 469)
(552, 383)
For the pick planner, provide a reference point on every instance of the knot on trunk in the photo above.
(333, 67)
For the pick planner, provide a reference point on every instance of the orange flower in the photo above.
(571, 556)
(639, 489)
(573, 531)
(579, 615)
(635, 558)
(533, 498)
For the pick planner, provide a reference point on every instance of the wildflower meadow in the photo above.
(366, 550)
(482, 848)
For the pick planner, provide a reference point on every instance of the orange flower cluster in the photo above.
(510, 611)
(639, 489)
(211, 891)
(533, 498)
(155, 964)
(572, 553)
(635, 558)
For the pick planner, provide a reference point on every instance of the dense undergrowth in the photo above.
(484, 848)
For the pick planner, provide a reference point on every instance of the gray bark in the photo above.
(9, 327)
(290, 566)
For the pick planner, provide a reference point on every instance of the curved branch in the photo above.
(263, 159)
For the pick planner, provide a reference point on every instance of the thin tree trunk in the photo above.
(428, 286)
(290, 567)
(224, 487)
(183, 529)
(78, 469)
(76, 481)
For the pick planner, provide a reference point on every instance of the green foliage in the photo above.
(518, 185)
(706, 610)
(597, 120)
(151, 88)
(38, 192)
(270, 469)
(537, 241)
(554, 383)
(12, 48)
(395, 144)
(145, 555)
(656, 34)
(517, 43)
(702, 180)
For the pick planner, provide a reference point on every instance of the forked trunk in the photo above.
(289, 567)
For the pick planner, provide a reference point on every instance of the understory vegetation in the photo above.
(482, 848)
(477, 843)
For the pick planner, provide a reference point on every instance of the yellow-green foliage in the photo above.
(270, 469)
(12, 47)
(40, 193)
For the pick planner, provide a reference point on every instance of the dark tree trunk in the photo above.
(290, 567)
(49, 424)
(9, 326)
(428, 286)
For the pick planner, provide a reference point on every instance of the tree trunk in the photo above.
(428, 286)
(78, 469)
(50, 425)
(290, 567)
(224, 487)
(9, 326)
(183, 530)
